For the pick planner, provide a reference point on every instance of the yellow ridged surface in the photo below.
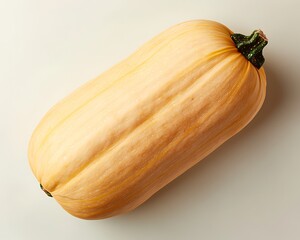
(121, 137)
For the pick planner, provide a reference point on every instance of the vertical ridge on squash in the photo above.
(117, 140)
(154, 112)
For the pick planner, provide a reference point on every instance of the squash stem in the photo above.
(251, 46)
(48, 194)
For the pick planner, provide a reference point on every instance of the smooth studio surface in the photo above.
(246, 189)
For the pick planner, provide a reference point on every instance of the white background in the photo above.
(247, 189)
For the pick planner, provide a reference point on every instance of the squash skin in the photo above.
(118, 139)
